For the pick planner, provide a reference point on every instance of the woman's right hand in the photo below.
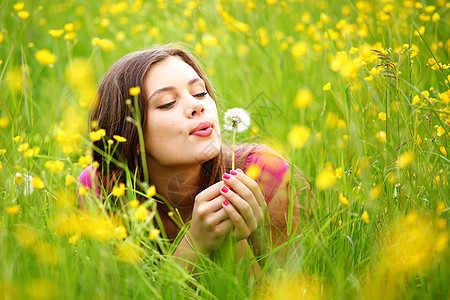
(210, 223)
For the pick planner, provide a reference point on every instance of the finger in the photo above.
(220, 215)
(242, 190)
(204, 209)
(210, 192)
(224, 226)
(251, 185)
(240, 226)
(240, 205)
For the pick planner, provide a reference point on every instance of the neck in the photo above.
(178, 185)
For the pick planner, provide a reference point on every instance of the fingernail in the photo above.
(233, 172)
(226, 176)
(225, 202)
(224, 189)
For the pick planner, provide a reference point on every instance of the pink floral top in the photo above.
(271, 165)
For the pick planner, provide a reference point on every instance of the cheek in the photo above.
(161, 128)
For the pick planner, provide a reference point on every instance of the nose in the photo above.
(195, 108)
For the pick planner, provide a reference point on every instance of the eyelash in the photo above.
(170, 104)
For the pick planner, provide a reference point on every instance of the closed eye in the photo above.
(168, 105)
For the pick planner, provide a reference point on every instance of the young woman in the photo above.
(184, 157)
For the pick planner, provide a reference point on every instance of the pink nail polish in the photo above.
(224, 189)
(225, 202)
(226, 176)
(233, 172)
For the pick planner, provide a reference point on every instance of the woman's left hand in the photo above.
(244, 203)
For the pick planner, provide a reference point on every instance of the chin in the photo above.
(209, 152)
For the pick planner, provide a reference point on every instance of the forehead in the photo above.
(172, 71)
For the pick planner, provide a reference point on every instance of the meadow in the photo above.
(354, 93)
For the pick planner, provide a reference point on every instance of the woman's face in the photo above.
(182, 127)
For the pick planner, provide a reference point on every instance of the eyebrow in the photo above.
(172, 88)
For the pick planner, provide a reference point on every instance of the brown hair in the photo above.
(111, 111)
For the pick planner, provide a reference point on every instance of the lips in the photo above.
(202, 129)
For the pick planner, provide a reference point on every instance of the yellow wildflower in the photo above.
(368, 78)
(253, 171)
(134, 203)
(298, 136)
(343, 200)
(134, 91)
(430, 8)
(83, 161)
(19, 6)
(56, 32)
(382, 116)
(440, 131)
(153, 234)
(129, 253)
(56, 166)
(23, 147)
(375, 191)
(74, 239)
(141, 213)
(325, 179)
(241, 26)
(23, 14)
(339, 173)
(119, 138)
(420, 32)
(443, 150)
(13, 210)
(70, 36)
(18, 178)
(405, 159)
(120, 232)
(435, 17)
(4, 122)
(365, 217)
(299, 49)
(243, 50)
(209, 40)
(69, 27)
(119, 190)
(388, 8)
(381, 136)
(303, 98)
(441, 242)
(45, 57)
(37, 183)
(327, 87)
(151, 191)
(97, 135)
(353, 50)
(67, 149)
(82, 190)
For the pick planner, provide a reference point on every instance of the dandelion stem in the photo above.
(234, 142)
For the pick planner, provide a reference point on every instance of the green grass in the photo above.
(340, 255)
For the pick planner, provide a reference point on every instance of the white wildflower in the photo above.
(236, 119)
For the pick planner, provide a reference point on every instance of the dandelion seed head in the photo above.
(236, 119)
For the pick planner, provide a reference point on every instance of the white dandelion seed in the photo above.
(237, 119)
